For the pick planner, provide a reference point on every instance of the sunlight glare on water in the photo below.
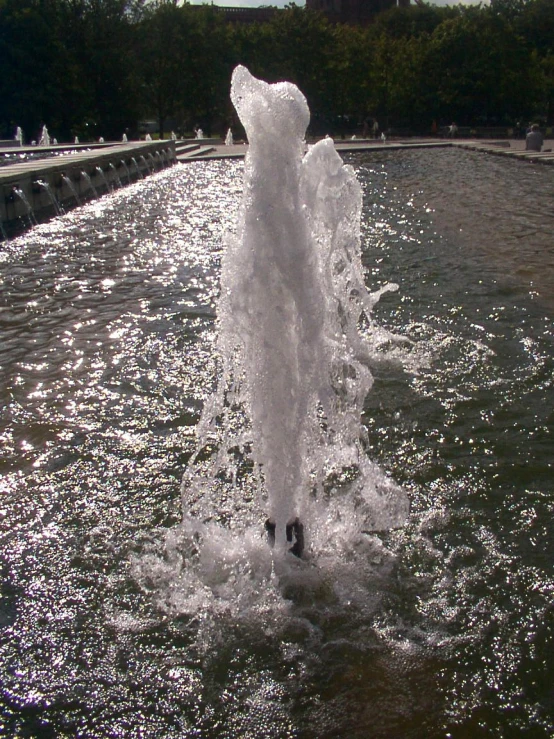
(107, 357)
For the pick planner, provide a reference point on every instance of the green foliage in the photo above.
(66, 63)
(96, 67)
(481, 69)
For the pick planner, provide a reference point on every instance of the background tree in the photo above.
(33, 66)
(108, 64)
(483, 72)
(67, 64)
(95, 67)
(210, 68)
(547, 69)
(163, 60)
(349, 78)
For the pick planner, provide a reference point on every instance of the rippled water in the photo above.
(107, 329)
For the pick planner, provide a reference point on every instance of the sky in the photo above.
(282, 3)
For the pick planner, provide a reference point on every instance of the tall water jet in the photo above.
(44, 137)
(293, 335)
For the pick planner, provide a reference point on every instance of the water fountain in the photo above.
(126, 168)
(44, 139)
(137, 168)
(20, 195)
(142, 159)
(45, 186)
(117, 611)
(292, 338)
(229, 138)
(88, 180)
(68, 181)
(117, 178)
(102, 174)
(19, 135)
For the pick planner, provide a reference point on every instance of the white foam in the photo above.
(282, 435)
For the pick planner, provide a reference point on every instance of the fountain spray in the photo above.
(291, 319)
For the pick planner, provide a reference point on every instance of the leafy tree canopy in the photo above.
(97, 67)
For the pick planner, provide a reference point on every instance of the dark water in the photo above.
(107, 329)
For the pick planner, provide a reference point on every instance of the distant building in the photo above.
(245, 15)
(354, 11)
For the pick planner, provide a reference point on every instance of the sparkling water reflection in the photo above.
(107, 328)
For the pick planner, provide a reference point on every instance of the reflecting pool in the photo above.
(107, 328)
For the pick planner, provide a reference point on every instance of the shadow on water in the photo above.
(442, 628)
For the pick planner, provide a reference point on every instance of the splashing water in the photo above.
(281, 439)
(44, 137)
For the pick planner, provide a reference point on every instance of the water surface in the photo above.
(107, 334)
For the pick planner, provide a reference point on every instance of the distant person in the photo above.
(452, 131)
(534, 139)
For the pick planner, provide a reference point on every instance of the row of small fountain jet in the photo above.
(46, 140)
(84, 184)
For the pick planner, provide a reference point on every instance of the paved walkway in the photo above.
(514, 148)
(222, 151)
